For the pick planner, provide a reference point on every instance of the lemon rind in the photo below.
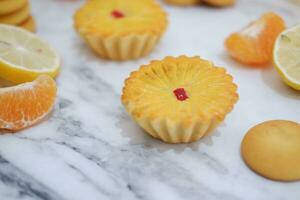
(18, 75)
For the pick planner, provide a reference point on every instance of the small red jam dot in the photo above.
(180, 94)
(117, 14)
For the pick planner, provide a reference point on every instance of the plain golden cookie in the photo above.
(29, 24)
(272, 149)
(16, 17)
(9, 6)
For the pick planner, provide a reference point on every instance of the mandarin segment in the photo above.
(24, 105)
(190, 93)
(254, 44)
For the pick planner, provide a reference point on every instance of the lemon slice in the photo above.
(287, 56)
(24, 56)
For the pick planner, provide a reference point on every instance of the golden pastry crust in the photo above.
(121, 30)
(29, 24)
(122, 48)
(154, 97)
(272, 149)
(10, 6)
(16, 17)
(184, 2)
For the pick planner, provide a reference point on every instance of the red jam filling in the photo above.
(117, 14)
(180, 94)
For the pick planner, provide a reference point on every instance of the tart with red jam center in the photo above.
(119, 29)
(179, 100)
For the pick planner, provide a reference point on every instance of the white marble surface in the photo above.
(89, 149)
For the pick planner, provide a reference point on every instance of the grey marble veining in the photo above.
(89, 148)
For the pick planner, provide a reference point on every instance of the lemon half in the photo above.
(24, 56)
(286, 56)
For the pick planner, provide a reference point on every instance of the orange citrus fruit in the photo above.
(24, 105)
(254, 44)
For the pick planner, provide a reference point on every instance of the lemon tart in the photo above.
(179, 100)
(121, 30)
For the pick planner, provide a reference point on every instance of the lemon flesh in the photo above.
(287, 56)
(24, 56)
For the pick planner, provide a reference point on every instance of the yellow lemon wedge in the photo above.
(286, 56)
(24, 56)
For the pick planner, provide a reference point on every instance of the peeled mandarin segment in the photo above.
(184, 2)
(10, 6)
(219, 3)
(24, 105)
(179, 100)
(272, 149)
(254, 44)
(17, 17)
(286, 56)
(24, 56)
